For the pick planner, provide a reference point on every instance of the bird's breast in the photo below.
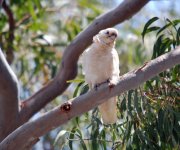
(99, 67)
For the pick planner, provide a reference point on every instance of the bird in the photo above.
(100, 63)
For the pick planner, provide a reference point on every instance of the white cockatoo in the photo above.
(100, 63)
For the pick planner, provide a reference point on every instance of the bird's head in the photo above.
(106, 37)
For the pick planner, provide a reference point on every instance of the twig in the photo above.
(25, 18)
(9, 52)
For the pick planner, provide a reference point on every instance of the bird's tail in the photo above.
(108, 111)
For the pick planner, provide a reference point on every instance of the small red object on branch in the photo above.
(66, 107)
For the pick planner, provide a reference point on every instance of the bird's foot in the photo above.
(110, 83)
(96, 86)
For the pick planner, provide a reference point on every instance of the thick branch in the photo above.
(68, 68)
(8, 98)
(34, 129)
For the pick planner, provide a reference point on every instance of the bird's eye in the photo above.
(107, 32)
(114, 34)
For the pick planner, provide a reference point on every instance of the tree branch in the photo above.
(8, 98)
(9, 52)
(1, 1)
(34, 129)
(68, 68)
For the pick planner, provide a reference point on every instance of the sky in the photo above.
(158, 5)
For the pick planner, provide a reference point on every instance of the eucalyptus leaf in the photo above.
(145, 30)
(59, 136)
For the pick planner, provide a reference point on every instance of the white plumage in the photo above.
(101, 63)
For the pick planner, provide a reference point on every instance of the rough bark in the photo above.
(32, 130)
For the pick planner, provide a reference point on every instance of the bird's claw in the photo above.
(110, 84)
(109, 81)
(96, 86)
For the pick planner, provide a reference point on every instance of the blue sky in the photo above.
(159, 5)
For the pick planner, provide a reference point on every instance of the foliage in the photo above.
(148, 116)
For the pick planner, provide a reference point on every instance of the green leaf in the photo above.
(136, 103)
(53, 71)
(160, 122)
(38, 4)
(157, 47)
(149, 86)
(92, 6)
(145, 30)
(114, 135)
(78, 131)
(60, 134)
(77, 120)
(176, 128)
(163, 28)
(71, 136)
(83, 145)
(178, 36)
(175, 22)
(166, 124)
(150, 29)
(75, 94)
(81, 139)
(32, 10)
(123, 105)
(129, 103)
(75, 81)
(84, 89)
(127, 132)
(103, 136)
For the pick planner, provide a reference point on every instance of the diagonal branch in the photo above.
(8, 98)
(68, 68)
(32, 130)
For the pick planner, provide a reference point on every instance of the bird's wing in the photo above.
(116, 70)
(83, 61)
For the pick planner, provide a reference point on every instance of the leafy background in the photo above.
(148, 116)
